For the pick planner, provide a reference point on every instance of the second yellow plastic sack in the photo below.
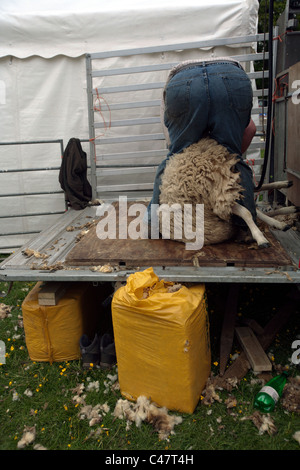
(162, 341)
(52, 333)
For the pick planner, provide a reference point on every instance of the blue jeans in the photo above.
(211, 99)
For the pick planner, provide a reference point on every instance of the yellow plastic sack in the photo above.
(52, 333)
(162, 341)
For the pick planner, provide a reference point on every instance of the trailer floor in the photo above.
(70, 250)
(92, 251)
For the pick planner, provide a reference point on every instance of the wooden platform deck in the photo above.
(70, 249)
(91, 251)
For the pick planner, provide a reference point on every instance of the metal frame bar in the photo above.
(181, 46)
(30, 142)
(31, 194)
(176, 274)
(140, 155)
(24, 170)
(91, 125)
(159, 67)
(21, 170)
(156, 85)
(130, 138)
(142, 121)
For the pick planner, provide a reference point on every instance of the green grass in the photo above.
(54, 414)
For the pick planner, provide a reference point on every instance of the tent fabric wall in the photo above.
(45, 99)
(43, 80)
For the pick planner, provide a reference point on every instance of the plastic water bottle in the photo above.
(269, 395)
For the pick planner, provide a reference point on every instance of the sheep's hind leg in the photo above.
(272, 222)
(245, 214)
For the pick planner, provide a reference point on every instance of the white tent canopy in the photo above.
(43, 82)
(72, 27)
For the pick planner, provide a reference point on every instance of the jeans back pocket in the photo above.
(239, 92)
(177, 99)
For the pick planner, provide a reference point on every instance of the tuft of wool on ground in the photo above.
(28, 437)
(4, 311)
(296, 436)
(263, 422)
(145, 411)
(94, 414)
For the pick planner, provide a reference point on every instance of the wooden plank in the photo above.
(227, 334)
(255, 327)
(51, 292)
(256, 355)
(241, 365)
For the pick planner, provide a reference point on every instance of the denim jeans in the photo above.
(210, 99)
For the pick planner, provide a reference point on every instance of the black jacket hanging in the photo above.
(73, 176)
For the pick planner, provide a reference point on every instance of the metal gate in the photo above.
(126, 137)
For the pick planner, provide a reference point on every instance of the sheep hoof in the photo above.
(287, 227)
(264, 245)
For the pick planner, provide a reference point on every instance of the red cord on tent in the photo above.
(99, 109)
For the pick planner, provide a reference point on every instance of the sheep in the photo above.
(203, 173)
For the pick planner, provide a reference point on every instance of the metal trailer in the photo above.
(110, 175)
